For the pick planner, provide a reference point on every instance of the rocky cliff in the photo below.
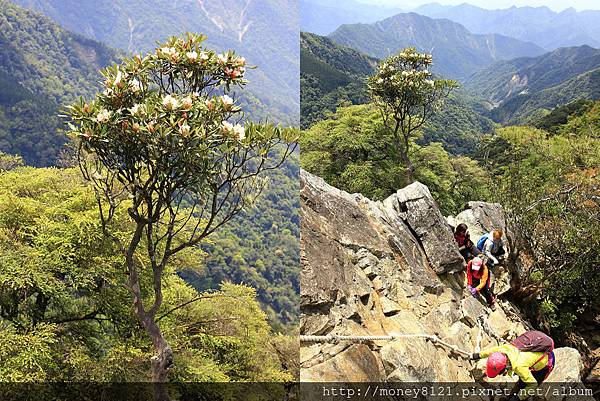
(392, 267)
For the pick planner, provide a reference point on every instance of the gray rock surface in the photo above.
(415, 206)
(381, 268)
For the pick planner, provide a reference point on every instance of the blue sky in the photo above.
(557, 5)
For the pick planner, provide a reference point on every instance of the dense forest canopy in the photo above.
(65, 311)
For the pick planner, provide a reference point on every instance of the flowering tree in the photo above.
(407, 95)
(166, 140)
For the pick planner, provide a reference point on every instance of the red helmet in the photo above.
(496, 363)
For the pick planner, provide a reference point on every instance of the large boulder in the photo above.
(415, 206)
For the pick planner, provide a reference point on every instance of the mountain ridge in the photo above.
(541, 25)
(458, 52)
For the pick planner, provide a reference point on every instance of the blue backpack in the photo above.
(482, 240)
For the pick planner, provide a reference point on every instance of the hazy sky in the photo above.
(557, 5)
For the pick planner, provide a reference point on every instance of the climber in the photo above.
(530, 356)
(465, 246)
(478, 280)
(492, 246)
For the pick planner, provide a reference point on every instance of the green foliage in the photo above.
(560, 115)
(550, 183)
(351, 151)
(65, 310)
(10, 162)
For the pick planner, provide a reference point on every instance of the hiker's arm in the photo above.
(484, 353)
(526, 377)
(487, 248)
(484, 277)
(469, 274)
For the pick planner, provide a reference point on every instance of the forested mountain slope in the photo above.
(41, 67)
(261, 248)
(524, 87)
(540, 25)
(265, 32)
(458, 52)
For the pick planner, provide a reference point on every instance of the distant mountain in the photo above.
(520, 90)
(539, 25)
(332, 74)
(457, 53)
(264, 31)
(324, 16)
(42, 66)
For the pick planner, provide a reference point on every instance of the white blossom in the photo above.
(187, 103)
(135, 110)
(170, 103)
(227, 101)
(168, 51)
(192, 56)
(227, 127)
(118, 78)
(103, 116)
(222, 58)
(135, 85)
(240, 61)
(239, 131)
(184, 130)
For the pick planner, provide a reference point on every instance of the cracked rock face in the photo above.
(392, 267)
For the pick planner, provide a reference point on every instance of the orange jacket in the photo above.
(481, 275)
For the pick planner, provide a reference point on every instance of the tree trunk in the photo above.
(163, 359)
(410, 169)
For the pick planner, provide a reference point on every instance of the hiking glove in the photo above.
(473, 291)
(475, 356)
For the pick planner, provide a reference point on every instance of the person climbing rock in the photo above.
(478, 280)
(492, 246)
(530, 356)
(466, 247)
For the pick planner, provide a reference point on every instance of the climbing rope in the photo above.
(334, 338)
(479, 334)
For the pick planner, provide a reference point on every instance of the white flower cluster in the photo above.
(103, 116)
(170, 102)
(411, 54)
(169, 53)
(236, 130)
